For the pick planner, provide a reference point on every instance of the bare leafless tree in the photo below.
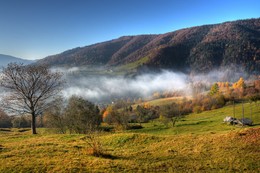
(29, 89)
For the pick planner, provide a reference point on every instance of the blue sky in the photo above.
(34, 29)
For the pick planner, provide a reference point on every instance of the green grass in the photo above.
(132, 65)
(198, 143)
(205, 122)
(128, 68)
(160, 102)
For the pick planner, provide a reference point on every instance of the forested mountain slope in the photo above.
(196, 49)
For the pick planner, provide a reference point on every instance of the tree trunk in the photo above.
(243, 111)
(173, 121)
(33, 123)
(251, 111)
(234, 113)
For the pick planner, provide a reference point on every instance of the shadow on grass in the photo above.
(107, 156)
(196, 123)
(23, 130)
(1, 147)
(5, 130)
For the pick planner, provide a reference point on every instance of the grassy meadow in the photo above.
(198, 143)
(160, 101)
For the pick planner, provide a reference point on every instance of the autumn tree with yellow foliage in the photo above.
(240, 84)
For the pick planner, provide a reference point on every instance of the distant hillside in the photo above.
(198, 49)
(6, 59)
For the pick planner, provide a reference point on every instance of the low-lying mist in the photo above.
(107, 88)
(99, 88)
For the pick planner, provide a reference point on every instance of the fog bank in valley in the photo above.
(100, 88)
(106, 88)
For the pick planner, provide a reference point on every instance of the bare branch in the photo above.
(29, 88)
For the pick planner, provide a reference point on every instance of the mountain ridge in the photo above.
(6, 59)
(198, 49)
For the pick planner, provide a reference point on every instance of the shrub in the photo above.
(21, 122)
(54, 116)
(5, 120)
(95, 144)
(81, 115)
(97, 149)
(170, 113)
(197, 109)
(119, 118)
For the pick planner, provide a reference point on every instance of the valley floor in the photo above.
(198, 143)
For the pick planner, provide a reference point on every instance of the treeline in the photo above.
(123, 116)
(223, 93)
(77, 116)
(7, 121)
(81, 116)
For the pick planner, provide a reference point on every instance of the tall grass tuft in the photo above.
(97, 149)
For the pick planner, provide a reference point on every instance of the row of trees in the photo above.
(78, 116)
(5, 120)
(14, 121)
(122, 116)
(239, 90)
(222, 93)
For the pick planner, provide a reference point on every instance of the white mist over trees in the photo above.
(100, 88)
(105, 88)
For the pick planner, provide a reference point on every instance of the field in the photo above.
(198, 143)
(160, 102)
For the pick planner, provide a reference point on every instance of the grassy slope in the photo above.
(160, 102)
(200, 143)
(112, 71)
(205, 122)
(130, 67)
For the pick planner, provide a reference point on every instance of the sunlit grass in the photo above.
(205, 122)
(161, 101)
(132, 65)
(198, 143)
(134, 152)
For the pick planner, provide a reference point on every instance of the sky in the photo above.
(34, 29)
